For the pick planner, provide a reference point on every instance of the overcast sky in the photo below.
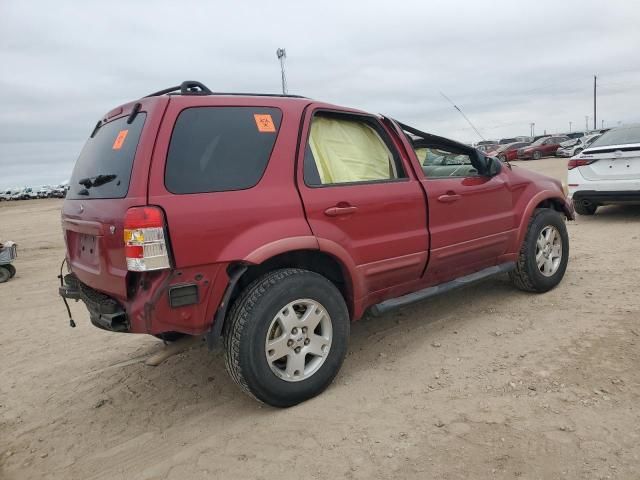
(505, 63)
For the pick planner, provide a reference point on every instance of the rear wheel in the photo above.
(544, 253)
(585, 208)
(11, 268)
(5, 274)
(537, 155)
(287, 337)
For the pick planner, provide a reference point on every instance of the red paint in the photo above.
(389, 238)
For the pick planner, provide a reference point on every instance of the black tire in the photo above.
(526, 275)
(5, 274)
(248, 324)
(537, 155)
(170, 336)
(583, 209)
(11, 268)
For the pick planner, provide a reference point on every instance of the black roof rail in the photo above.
(192, 87)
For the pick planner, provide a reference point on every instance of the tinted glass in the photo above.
(215, 149)
(618, 136)
(110, 152)
(540, 141)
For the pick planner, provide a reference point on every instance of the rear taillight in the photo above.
(579, 162)
(145, 240)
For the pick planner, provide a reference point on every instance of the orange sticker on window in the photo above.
(117, 145)
(264, 122)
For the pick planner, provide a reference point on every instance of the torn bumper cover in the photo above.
(104, 312)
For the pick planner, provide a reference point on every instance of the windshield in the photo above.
(103, 168)
(540, 141)
(618, 136)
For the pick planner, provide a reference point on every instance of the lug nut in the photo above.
(304, 329)
(294, 330)
(289, 343)
(307, 341)
(297, 350)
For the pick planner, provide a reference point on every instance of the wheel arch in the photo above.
(545, 199)
(314, 260)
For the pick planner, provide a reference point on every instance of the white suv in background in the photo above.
(608, 172)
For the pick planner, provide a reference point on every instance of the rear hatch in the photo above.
(619, 162)
(109, 177)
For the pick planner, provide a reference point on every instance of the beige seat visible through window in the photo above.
(346, 151)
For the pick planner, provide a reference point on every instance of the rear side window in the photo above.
(349, 149)
(103, 169)
(217, 149)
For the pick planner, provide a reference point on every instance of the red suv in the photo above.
(272, 222)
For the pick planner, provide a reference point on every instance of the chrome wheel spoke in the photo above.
(317, 345)
(287, 319)
(548, 266)
(278, 348)
(312, 317)
(295, 365)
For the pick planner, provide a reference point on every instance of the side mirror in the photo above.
(489, 166)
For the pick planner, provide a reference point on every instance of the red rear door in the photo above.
(109, 177)
(361, 199)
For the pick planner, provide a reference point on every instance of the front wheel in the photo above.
(5, 274)
(537, 155)
(585, 208)
(544, 253)
(287, 337)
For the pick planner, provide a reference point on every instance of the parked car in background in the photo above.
(44, 191)
(607, 172)
(26, 193)
(6, 195)
(543, 147)
(487, 147)
(508, 152)
(370, 215)
(59, 191)
(575, 134)
(575, 146)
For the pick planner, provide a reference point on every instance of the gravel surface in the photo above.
(487, 382)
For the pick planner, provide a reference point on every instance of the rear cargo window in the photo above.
(619, 136)
(216, 149)
(103, 168)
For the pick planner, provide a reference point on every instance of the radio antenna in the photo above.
(463, 115)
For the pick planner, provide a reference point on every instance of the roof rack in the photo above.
(192, 87)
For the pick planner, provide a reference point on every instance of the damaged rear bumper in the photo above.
(104, 312)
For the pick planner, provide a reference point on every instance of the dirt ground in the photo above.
(487, 382)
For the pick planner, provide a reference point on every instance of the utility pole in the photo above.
(282, 54)
(602, 123)
(532, 126)
(594, 102)
(569, 127)
(586, 122)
